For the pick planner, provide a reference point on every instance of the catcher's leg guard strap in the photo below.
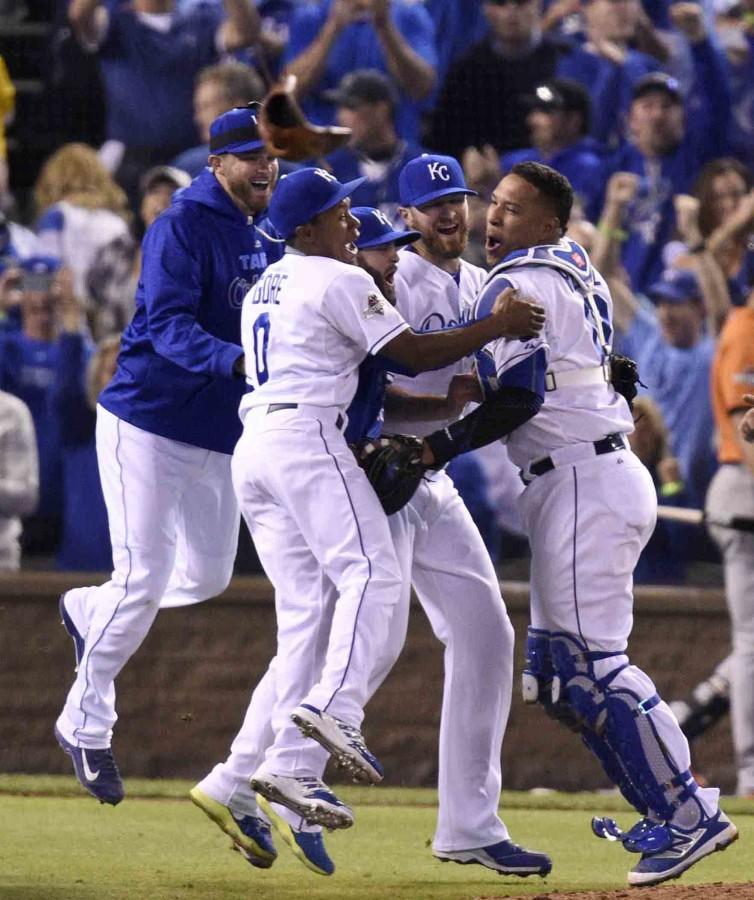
(623, 735)
(536, 680)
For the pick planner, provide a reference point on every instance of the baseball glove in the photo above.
(287, 133)
(624, 377)
(394, 468)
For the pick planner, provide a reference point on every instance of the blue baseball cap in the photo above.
(676, 286)
(236, 131)
(304, 194)
(429, 177)
(38, 272)
(376, 230)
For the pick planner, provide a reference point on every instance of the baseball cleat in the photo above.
(250, 835)
(75, 632)
(344, 742)
(307, 846)
(307, 796)
(96, 771)
(687, 847)
(505, 857)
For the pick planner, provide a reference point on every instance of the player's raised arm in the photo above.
(511, 317)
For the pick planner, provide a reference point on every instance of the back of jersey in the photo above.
(572, 340)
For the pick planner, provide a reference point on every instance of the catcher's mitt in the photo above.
(624, 377)
(286, 131)
(394, 468)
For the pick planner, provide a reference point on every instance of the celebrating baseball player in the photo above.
(166, 426)
(439, 548)
(307, 325)
(589, 507)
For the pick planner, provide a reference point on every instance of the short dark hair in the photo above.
(556, 188)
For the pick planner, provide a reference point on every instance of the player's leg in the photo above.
(207, 535)
(458, 589)
(732, 493)
(587, 525)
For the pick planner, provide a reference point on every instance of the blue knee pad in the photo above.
(536, 680)
(618, 729)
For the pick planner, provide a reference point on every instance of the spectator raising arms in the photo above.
(150, 52)
(330, 38)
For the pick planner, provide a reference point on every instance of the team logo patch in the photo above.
(374, 307)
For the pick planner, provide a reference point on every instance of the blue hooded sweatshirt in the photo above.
(175, 369)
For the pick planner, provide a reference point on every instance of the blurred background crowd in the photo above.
(647, 106)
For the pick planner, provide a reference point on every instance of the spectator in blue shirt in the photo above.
(365, 102)
(149, 53)
(606, 65)
(669, 143)
(28, 360)
(330, 38)
(674, 355)
(217, 89)
(558, 120)
(739, 43)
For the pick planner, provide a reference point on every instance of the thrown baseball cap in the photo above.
(429, 177)
(376, 230)
(304, 194)
(676, 286)
(38, 272)
(361, 87)
(658, 82)
(235, 131)
(164, 175)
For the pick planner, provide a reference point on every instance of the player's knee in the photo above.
(214, 579)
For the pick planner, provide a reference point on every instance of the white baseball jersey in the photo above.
(306, 326)
(430, 299)
(569, 341)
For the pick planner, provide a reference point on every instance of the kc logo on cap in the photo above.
(430, 177)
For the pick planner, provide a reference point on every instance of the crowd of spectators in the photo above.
(647, 106)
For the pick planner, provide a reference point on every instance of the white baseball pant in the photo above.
(173, 520)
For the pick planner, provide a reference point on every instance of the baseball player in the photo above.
(588, 508)
(307, 325)
(440, 550)
(166, 426)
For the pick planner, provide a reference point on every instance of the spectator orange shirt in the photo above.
(732, 377)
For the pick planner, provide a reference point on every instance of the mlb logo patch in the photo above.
(374, 307)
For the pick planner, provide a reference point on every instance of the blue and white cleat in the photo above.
(96, 771)
(307, 846)
(646, 836)
(344, 742)
(73, 630)
(505, 857)
(307, 796)
(687, 848)
(250, 835)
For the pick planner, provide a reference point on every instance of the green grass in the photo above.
(58, 844)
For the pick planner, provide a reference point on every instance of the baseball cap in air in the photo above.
(429, 177)
(304, 194)
(658, 82)
(361, 87)
(376, 230)
(236, 131)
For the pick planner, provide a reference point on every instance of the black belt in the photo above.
(608, 444)
(276, 407)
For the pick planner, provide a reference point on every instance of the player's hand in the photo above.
(516, 316)
(621, 189)
(746, 425)
(463, 389)
(427, 457)
(688, 18)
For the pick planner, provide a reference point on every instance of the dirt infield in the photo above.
(717, 891)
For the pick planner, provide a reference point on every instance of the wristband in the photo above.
(615, 234)
(671, 488)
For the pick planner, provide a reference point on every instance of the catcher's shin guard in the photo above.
(619, 729)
